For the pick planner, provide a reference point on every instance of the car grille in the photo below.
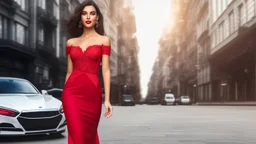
(39, 114)
(40, 120)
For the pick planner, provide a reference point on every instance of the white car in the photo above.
(169, 98)
(25, 111)
(183, 100)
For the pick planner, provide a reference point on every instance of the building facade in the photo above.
(28, 35)
(232, 50)
(17, 51)
(203, 86)
(128, 68)
(216, 50)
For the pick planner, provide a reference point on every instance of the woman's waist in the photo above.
(79, 71)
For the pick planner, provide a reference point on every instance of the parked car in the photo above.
(55, 92)
(127, 100)
(141, 102)
(169, 98)
(153, 100)
(26, 111)
(183, 100)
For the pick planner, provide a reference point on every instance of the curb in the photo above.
(225, 104)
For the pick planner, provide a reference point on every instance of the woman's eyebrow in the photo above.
(90, 11)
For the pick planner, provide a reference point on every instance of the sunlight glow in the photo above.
(152, 16)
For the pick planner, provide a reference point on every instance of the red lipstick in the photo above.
(88, 22)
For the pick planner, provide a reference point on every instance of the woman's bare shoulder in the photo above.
(105, 40)
(70, 41)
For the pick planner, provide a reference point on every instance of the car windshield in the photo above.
(127, 97)
(185, 97)
(169, 96)
(16, 86)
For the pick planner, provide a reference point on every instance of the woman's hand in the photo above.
(108, 109)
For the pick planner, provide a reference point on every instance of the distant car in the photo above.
(55, 92)
(141, 102)
(25, 111)
(153, 100)
(183, 100)
(127, 100)
(169, 98)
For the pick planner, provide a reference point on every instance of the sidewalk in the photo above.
(230, 103)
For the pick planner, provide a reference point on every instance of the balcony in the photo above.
(203, 28)
(45, 50)
(11, 5)
(14, 47)
(46, 17)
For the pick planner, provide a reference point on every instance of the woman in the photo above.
(82, 95)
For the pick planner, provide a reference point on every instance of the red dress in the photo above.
(82, 95)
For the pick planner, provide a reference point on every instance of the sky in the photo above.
(151, 17)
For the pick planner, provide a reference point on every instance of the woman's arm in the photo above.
(69, 61)
(106, 72)
(106, 76)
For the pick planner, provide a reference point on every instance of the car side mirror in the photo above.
(44, 92)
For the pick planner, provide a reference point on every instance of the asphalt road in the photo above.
(155, 124)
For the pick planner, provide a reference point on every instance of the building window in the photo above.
(250, 9)
(213, 40)
(39, 71)
(46, 73)
(219, 7)
(231, 22)
(13, 29)
(224, 5)
(5, 28)
(55, 10)
(41, 34)
(1, 27)
(63, 47)
(216, 37)
(54, 38)
(20, 33)
(129, 59)
(22, 4)
(242, 14)
(221, 32)
(214, 11)
(42, 4)
(205, 50)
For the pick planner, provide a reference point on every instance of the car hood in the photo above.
(25, 102)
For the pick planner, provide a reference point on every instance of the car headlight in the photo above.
(8, 112)
(61, 109)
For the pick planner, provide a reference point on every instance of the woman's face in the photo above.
(89, 16)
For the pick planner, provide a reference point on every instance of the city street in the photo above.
(155, 124)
